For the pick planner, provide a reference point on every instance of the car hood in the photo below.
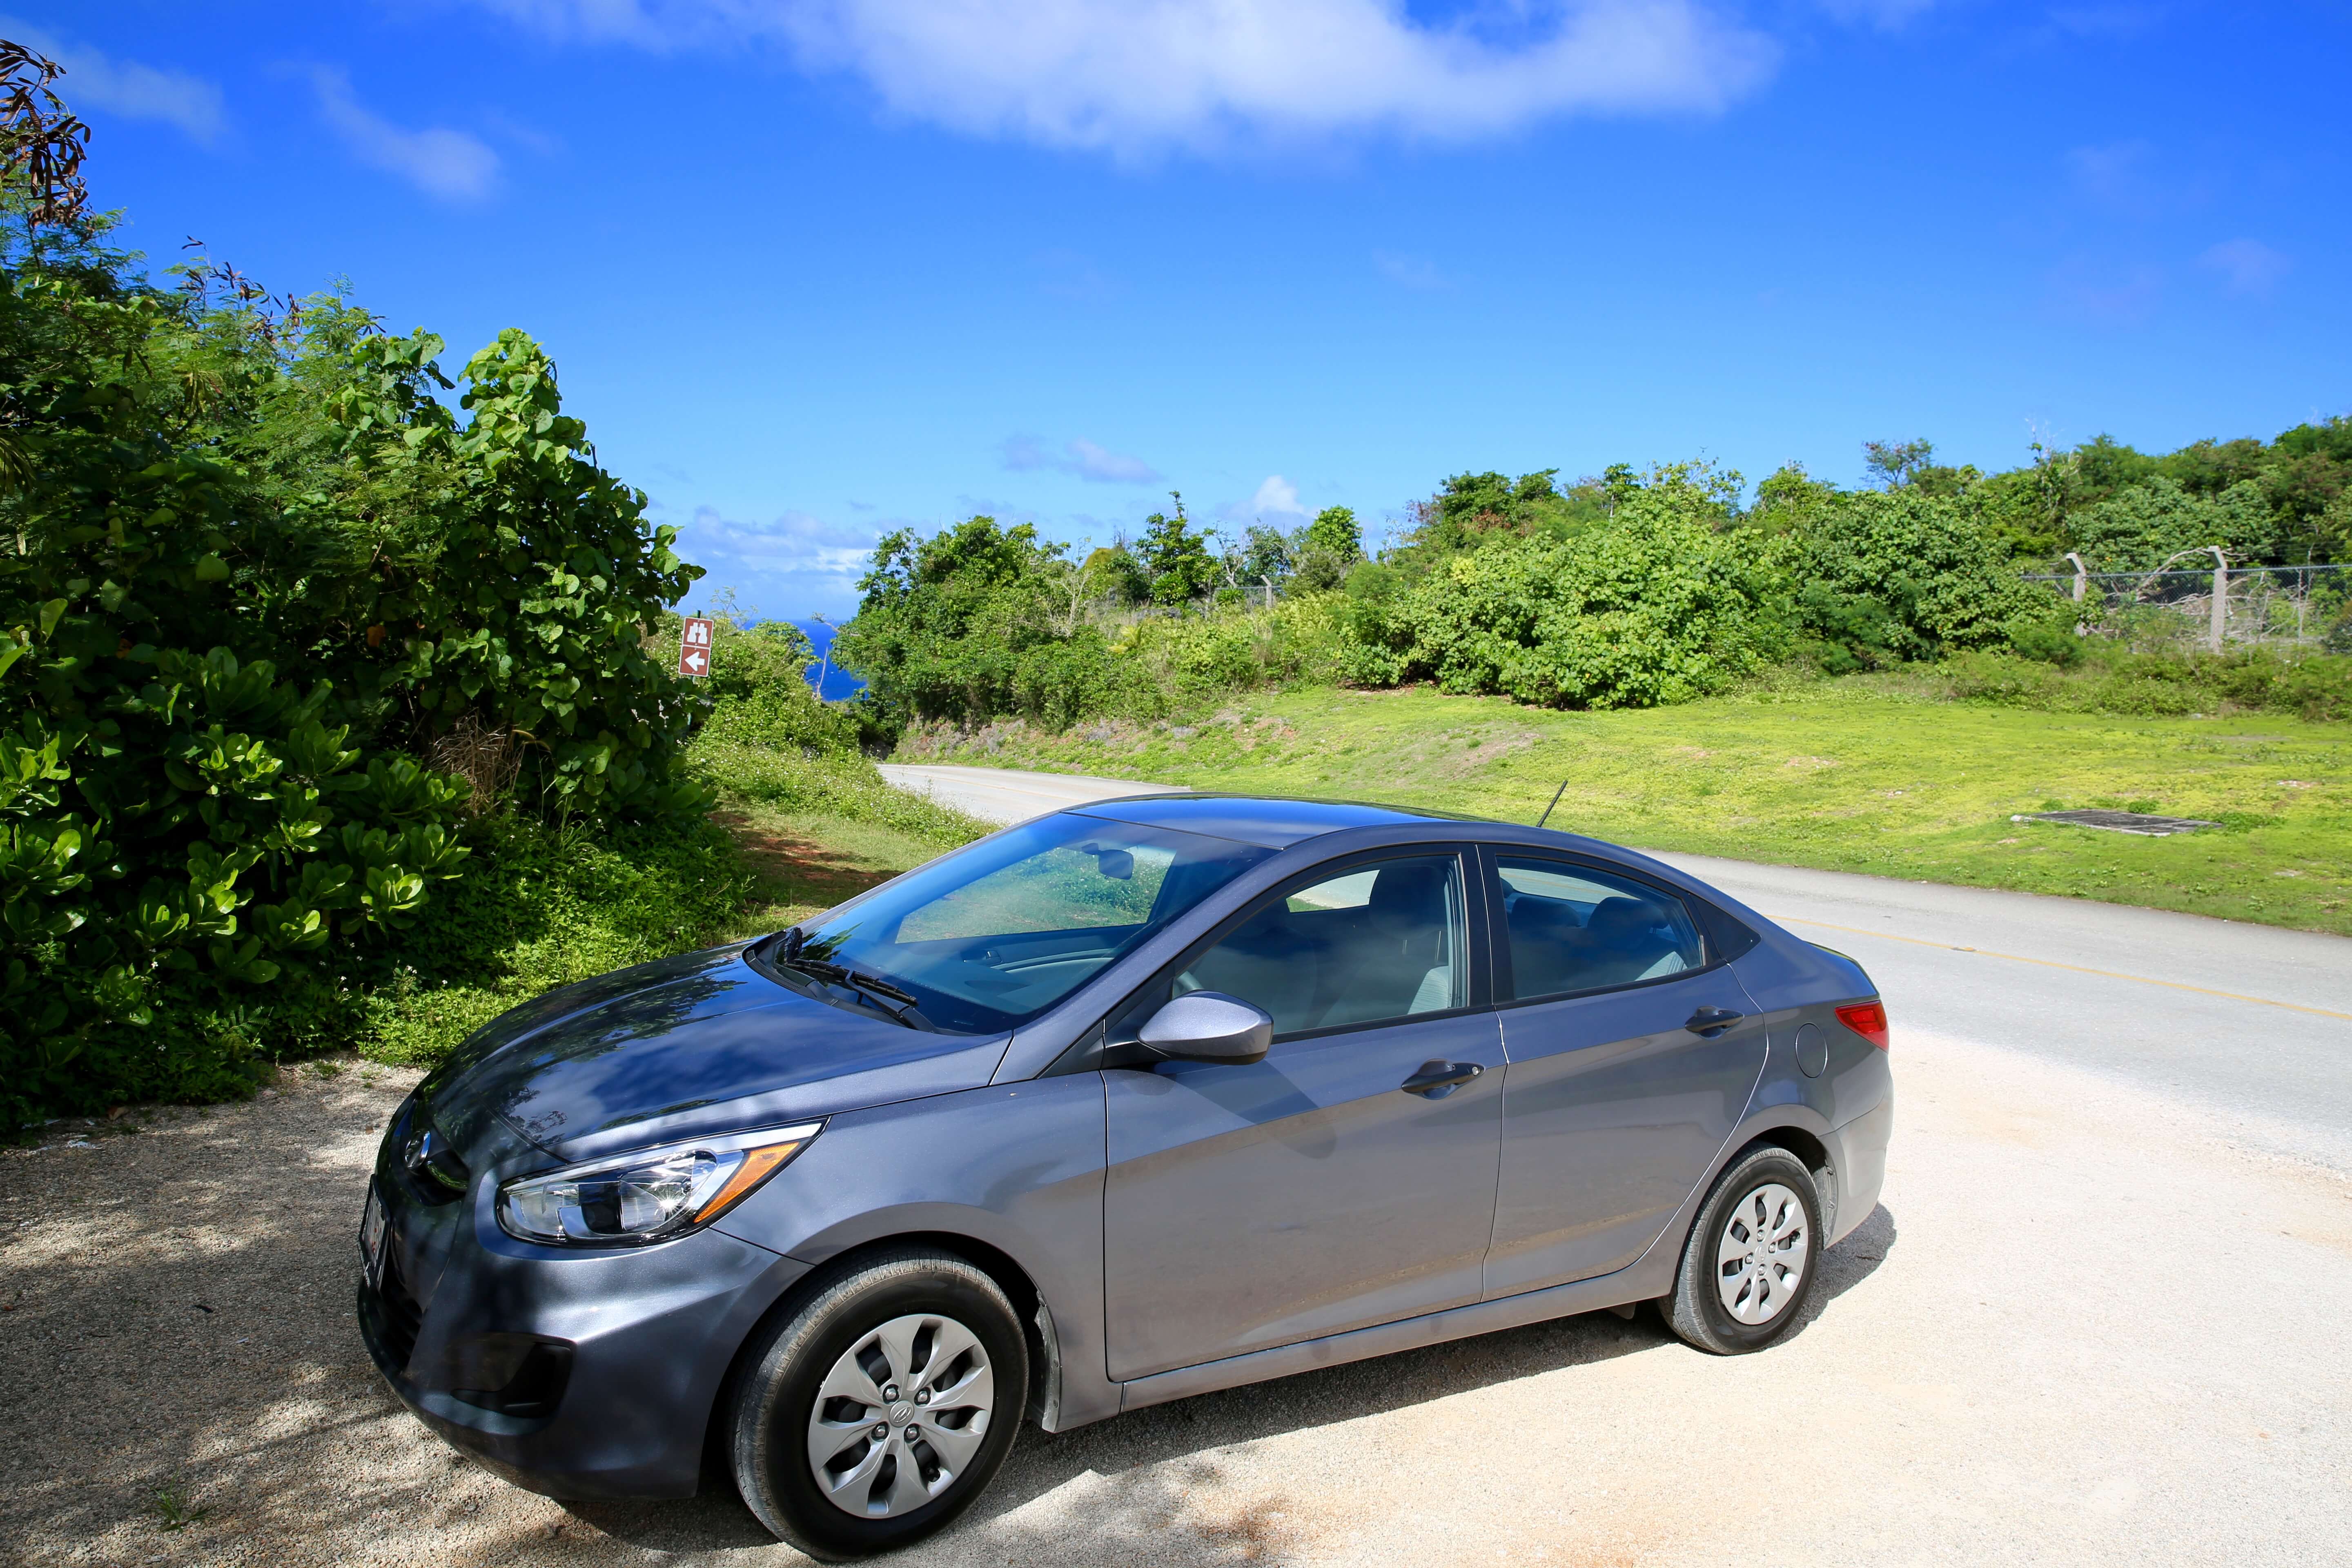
(686, 1047)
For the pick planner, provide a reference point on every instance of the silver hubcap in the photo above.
(900, 1416)
(1759, 1260)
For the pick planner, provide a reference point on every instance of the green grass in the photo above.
(1855, 776)
(809, 862)
(539, 907)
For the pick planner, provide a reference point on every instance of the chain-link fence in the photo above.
(2215, 607)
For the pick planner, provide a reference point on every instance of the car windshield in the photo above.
(987, 938)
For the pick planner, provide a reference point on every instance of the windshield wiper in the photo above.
(787, 956)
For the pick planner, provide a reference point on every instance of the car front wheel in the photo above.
(879, 1410)
(1747, 1268)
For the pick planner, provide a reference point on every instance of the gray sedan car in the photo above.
(1125, 1103)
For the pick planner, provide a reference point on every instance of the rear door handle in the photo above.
(1709, 1022)
(1438, 1078)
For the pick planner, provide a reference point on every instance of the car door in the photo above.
(1632, 1053)
(1347, 1179)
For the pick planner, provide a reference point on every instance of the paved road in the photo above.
(2251, 1024)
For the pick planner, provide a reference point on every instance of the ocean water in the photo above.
(832, 685)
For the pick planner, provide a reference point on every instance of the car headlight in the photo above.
(647, 1196)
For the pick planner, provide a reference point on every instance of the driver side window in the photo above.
(1375, 942)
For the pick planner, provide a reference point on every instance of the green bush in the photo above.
(2157, 685)
(278, 626)
(976, 621)
(2141, 527)
(543, 906)
(772, 655)
(1656, 604)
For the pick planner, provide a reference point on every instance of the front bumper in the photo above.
(577, 1373)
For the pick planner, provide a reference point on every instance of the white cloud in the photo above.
(795, 541)
(1137, 76)
(135, 92)
(793, 566)
(1081, 458)
(1277, 501)
(2246, 265)
(439, 161)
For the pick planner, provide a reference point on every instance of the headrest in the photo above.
(1411, 891)
(1621, 916)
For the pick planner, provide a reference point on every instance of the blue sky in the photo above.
(816, 269)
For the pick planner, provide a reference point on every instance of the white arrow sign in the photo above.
(693, 658)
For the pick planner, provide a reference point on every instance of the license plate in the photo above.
(371, 1228)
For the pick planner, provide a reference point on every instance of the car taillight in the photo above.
(1867, 1019)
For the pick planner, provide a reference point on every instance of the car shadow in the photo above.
(1127, 1479)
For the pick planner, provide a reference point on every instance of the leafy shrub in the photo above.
(975, 621)
(2158, 684)
(2140, 528)
(267, 589)
(543, 906)
(769, 657)
(2050, 641)
(1655, 605)
(785, 718)
(1904, 574)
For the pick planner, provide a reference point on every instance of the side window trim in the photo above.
(1498, 944)
(1479, 958)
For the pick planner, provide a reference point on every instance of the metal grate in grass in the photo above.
(2137, 822)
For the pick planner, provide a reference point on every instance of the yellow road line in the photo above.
(2078, 969)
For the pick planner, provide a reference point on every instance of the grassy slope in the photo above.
(809, 862)
(1846, 775)
(807, 833)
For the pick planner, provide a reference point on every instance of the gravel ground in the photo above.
(2083, 1328)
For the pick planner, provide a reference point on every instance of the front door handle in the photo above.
(1709, 1022)
(1437, 1079)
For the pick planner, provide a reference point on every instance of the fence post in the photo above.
(2220, 594)
(2082, 575)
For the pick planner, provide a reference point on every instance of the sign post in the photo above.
(694, 648)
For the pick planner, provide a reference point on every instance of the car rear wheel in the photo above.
(879, 1410)
(1747, 1268)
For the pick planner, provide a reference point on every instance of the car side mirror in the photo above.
(1210, 1026)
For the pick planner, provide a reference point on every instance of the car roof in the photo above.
(1273, 822)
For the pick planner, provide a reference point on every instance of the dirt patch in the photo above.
(799, 871)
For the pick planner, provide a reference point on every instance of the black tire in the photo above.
(1697, 1310)
(774, 1400)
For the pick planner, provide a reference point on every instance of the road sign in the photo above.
(693, 649)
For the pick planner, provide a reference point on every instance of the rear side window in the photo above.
(1572, 928)
(1378, 942)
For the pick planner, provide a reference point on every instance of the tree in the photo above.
(2142, 528)
(1176, 558)
(969, 623)
(1334, 531)
(1113, 572)
(278, 626)
(1893, 462)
